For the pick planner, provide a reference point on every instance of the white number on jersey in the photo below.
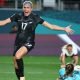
(24, 25)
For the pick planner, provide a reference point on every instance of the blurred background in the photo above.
(41, 4)
(44, 58)
(59, 12)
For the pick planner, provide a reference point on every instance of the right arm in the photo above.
(62, 56)
(4, 22)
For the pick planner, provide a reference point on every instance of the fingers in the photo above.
(72, 31)
(69, 30)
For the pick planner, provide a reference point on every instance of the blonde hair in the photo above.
(28, 2)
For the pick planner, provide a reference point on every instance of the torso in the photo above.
(26, 28)
(75, 75)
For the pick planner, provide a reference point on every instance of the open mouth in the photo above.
(26, 12)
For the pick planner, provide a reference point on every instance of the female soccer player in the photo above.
(27, 22)
(69, 72)
(69, 50)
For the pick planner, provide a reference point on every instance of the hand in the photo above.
(69, 30)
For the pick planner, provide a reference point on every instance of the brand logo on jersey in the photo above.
(20, 20)
(28, 44)
(30, 22)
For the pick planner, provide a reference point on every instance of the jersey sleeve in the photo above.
(75, 51)
(14, 17)
(64, 51)
(39, 20)
(77, 77)
(61, 72)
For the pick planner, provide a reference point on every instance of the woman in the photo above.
(69, 72)
(27, 22)
(69, 50)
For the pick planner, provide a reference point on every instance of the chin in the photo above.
(26, 14)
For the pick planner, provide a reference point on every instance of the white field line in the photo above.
(29, 72)
(32, 63)
(7, 72)
(28, 79)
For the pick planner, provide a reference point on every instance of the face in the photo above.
(27, 9)
(69, 49)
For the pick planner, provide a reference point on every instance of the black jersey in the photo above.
(26, 27)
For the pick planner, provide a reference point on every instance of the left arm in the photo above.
(55, 27)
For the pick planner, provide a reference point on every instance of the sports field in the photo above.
(36, 68)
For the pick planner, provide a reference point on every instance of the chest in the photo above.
(26, 24)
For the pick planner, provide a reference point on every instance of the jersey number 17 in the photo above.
(24, 25)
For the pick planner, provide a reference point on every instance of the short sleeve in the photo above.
(75, 51)
(62, 72)
(14, 17)
(39, 20)
(64, 51)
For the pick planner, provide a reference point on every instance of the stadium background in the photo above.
(59, 12)
(44, 58)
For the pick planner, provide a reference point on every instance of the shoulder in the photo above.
(76, 76)
(16, 16)
(35, 15)
(74, 48)
(37, 18)
(62, 71)
(77, 68)
(64, 46)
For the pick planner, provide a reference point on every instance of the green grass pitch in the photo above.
(36, 68)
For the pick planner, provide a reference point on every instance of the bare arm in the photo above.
(55, 27)
(4, 22)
